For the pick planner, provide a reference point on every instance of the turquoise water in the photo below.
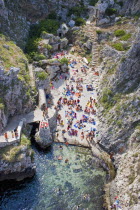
(57, 185)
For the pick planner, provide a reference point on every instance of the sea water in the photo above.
(58, 184)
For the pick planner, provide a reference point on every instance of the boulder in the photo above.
(63, 43)
(52, 70)
(14, 71)
(55, 47)
(88, 45)
(6, 46)
(71, 23)
(117, 19)
(64, 68)
(103, 21)
(44, 138)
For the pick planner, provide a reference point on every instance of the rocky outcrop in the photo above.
(128, 74)
(51, 44)
(126, 183)
(119, 113)
(16, 96)
(119, 96)
(18, 15)
(16, 163)
(130, 7)
(105, 12)
(43, 137)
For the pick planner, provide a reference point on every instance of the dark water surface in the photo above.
(58, 185)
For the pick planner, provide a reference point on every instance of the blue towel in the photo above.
(75, 126)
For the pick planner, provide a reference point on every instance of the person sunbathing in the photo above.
(93, 111)
(82, 135)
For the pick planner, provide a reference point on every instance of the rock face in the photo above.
(130, 7)
(44, 138)
(16, 96)
(128, 175)
(19, 167)
(18, 15)
(120, 8)
(51, 43)
(119, 93)
(119, 113)
(128, 73)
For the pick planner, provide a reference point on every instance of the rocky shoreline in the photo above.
(16, 162)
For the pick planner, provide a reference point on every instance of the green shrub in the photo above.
(131, 177)
(52, 15)
(119, 3)
(79, 21)
(98, 31)
(12, 154)
(64, 61)
(93, 2)
(48, 46)
(32, 45)
(27, 78)
(106, 94)
(1, 106)
(37, 57)
(110, 11)
(119, 123)
(119, 32)
(77, 10)
(125, 37)
(45, 26)
(123, 59)
(25, 141)
(1, 103)
(42, 75)
(111, 70)
(118, 46)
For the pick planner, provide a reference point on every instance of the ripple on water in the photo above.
(58, 185)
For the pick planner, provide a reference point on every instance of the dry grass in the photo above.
(10, 153)
(12, 57)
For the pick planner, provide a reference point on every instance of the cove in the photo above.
(77, 184)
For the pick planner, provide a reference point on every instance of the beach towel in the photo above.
(75, 126)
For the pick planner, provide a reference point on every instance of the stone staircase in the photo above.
(90, 31)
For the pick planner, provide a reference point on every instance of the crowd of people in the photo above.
(78, 118)
(14, 135)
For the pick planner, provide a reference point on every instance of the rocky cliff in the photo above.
(119, 107)
(17, 161)
(16, 95)
(17, 16)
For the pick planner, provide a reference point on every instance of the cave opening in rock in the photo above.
(35, 128)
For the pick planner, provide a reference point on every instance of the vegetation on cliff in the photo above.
(11, 55)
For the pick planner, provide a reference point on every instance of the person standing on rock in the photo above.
(12, 132)
(16, 133)
(6, 136)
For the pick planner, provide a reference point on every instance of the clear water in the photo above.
(57, 185)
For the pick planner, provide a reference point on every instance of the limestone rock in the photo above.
(6, 46)
(18, 169)
(71, 23)
(103, 21)
(44, 138)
